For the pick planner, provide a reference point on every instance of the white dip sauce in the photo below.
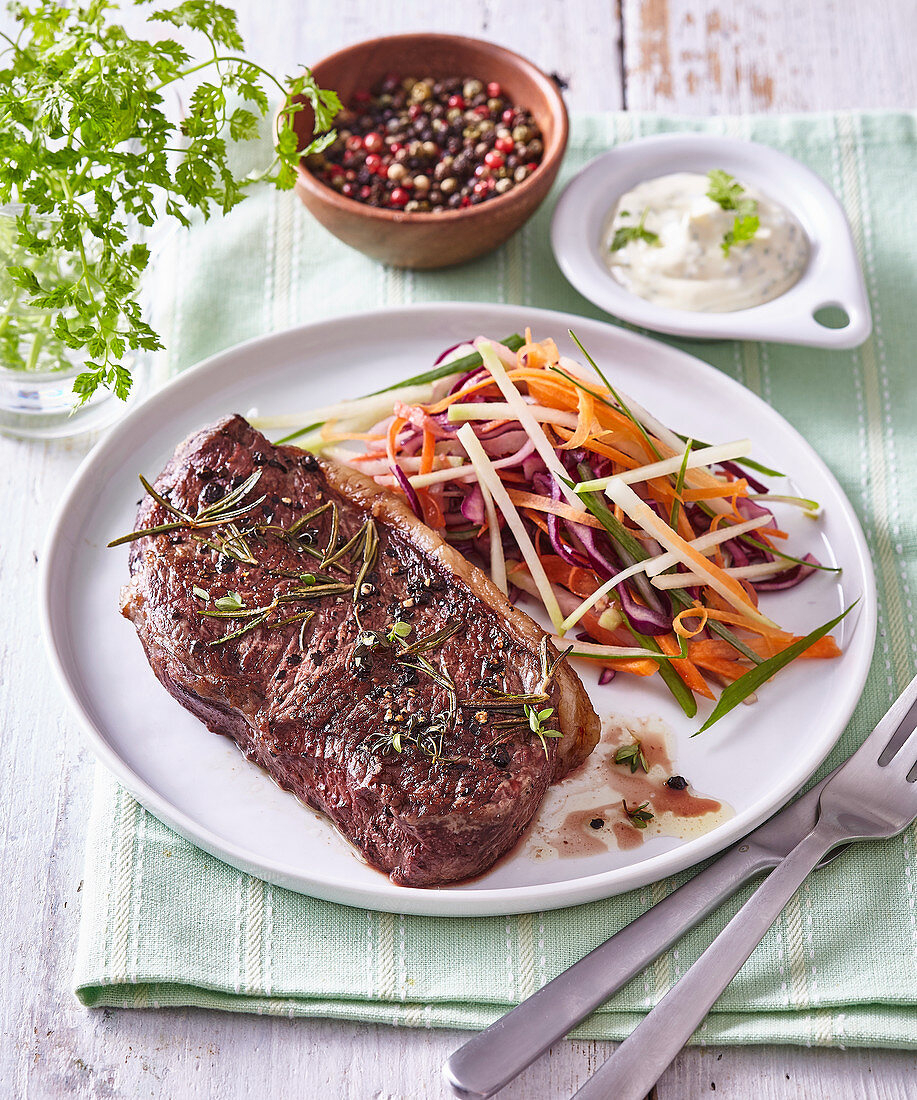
(686, 267)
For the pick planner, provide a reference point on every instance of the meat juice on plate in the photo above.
(604, 805)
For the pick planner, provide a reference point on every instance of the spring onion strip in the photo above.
(497, 559)
(596, 652)
(707, 456)
(705, 544)
(810, 507)
(641, 513)
(759, 570)
(533, 429)
(359, 414)
(495, 410)
(488, 476)
(587, 605)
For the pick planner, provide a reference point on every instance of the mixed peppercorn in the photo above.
(424, 146)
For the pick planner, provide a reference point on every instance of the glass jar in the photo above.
(37, 369)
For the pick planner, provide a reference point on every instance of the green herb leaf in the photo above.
(743, 229)
(753, 679)
(632, 756)
(201, 593)
(232, 601)
(729, 194)
(624, 234)
(724, 189)
(639, 816)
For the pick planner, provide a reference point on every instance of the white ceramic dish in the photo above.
(200, 785)
(832, 276)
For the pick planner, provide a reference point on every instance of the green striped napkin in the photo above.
(165, 924)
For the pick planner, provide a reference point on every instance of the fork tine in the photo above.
(903, 730)
(905, 759)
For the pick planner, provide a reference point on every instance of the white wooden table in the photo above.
(691, 56)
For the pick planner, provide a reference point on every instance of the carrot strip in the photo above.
(429, 448)
(683, 667)
(393, 429)
(581, 582)
(729, 670)
(555, 507)
(585, 413)
(737, 488)
(599, 448)
(697, 611)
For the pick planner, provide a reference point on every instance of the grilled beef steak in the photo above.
(301, 610)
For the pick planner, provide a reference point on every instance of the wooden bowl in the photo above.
(429, 240)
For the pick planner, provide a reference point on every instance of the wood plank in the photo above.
(580, 45)
(702, 57)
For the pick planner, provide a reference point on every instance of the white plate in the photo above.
(832, 276)
(200, 784)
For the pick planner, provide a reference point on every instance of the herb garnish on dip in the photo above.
(705, 243)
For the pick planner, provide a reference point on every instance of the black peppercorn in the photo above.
(676, 782)
(500, 757)
(419, 125)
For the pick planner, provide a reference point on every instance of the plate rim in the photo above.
(451, 901)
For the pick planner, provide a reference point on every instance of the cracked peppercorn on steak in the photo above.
(296, 607)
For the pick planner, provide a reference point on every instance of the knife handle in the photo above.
(493, 1057)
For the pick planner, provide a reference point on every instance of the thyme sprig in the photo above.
(639, 816)
(632, 755)
(424, 733)
(502, 700)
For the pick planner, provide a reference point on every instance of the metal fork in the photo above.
(874, 795)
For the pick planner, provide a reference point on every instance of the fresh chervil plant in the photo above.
(89, 149)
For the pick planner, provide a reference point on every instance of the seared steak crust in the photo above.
(325, 704)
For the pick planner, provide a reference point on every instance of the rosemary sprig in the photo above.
(231, 543)
(347, 548)
(370, 551)
(422, 645)
(333, 534)
(225, 510)
(250, 625)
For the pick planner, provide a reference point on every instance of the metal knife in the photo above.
(496, 1055)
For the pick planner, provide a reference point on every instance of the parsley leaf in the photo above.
(624, 234)
(744, 228)
(729, 194)
(725, 190)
